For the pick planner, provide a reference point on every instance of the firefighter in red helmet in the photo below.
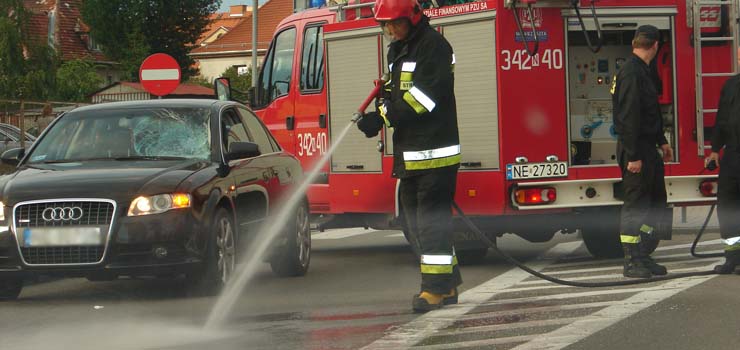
(419, 104)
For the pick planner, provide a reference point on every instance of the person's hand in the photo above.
(370, 124)
(667, 152)
(714, 156)
(634, 167)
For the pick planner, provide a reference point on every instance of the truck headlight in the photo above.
(147, 205)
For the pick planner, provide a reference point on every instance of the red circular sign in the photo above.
(159, 74)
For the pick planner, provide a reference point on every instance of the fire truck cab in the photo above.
(532, 83)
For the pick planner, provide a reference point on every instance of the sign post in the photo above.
(159, 74)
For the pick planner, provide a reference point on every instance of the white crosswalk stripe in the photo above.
(520, 312)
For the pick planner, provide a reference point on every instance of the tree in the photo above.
(238, 82)
(149, 26)
(27, 68)
(77, 79)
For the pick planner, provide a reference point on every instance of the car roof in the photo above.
(159, 103)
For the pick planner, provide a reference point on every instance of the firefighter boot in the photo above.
(451, 298)
(732, 260)
(426, 301)
(655, 268)
(633, 265)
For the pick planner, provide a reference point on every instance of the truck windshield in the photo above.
(158, 133)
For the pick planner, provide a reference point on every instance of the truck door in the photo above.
(274, 89)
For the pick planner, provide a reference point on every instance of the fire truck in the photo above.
(532, 83)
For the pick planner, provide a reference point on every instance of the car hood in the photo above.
(120, 181)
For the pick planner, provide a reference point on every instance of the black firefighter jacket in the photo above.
(637, 117)
(419, 103)
(727, 127)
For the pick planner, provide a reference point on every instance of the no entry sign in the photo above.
(159, 74)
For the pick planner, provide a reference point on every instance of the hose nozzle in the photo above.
(356, 116)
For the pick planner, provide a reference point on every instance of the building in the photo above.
(60, 25)
(234, 48)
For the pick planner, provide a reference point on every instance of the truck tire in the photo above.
(471, 256)
(600, 232)
(10, 288)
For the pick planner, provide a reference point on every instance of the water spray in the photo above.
(275, 225)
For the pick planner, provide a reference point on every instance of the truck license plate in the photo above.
(536, 170)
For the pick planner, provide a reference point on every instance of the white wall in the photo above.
(211, 68)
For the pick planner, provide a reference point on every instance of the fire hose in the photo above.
(374, 93)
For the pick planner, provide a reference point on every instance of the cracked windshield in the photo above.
(369, 174)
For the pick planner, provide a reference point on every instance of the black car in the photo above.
(148, 188)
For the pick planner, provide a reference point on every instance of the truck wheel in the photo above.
(220, 261)
(293, 258)
(471, 256)
(10, 288)
(600, 232)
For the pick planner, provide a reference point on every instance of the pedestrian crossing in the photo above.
(517, 311)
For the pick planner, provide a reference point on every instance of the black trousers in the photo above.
(728, 195)
(645, 198)
(426, 204)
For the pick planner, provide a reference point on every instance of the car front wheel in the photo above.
(292, 258)
(220, 260)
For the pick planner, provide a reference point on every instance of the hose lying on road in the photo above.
(698, 237)
(543, 276)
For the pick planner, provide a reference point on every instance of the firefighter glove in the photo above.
(370, 124)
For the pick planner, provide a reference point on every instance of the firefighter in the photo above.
(639, 126)
(726, 134)
(419, 104)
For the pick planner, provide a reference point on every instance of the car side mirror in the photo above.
(12, 156)
(222, 87)
(241, 150)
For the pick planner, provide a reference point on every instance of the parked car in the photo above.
(148, 188)
(10, 136)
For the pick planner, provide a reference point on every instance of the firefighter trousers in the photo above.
(728, 195)
(426, 204)
(645, 199)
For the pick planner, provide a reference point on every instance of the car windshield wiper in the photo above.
(150, 158)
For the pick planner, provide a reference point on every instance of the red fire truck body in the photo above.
(537, 138)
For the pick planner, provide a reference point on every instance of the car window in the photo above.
(111, 134)
(233, 129)
(274, 80)
(312, 60)
(4, 137)
(257, 131)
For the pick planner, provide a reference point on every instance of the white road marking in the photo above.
(342, 233)
(508, 326)
(397, 235)
(599, 320)
(688, 245)
(608, 268)
(537, 309)
(480, 343)
(428, 324)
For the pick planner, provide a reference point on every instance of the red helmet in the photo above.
(388, 10)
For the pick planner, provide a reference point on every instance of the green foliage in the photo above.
(238, 82)
(200, 80)
(77, 79)
(129, 30)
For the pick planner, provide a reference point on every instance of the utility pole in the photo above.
(255, 5)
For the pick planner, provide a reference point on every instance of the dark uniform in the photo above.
(727, 134)
(419, 104)
(639, 126)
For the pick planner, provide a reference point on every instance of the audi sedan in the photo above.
(148, 188)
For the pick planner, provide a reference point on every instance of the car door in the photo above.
(252, 177)
(282, 166)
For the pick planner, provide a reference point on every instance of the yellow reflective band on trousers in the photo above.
(436, 269)
(629, 239)
(646, 229)
(415, 105)
(432, 163)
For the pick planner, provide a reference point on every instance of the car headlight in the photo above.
(147, 205)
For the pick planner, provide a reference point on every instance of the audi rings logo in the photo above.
(62, 214)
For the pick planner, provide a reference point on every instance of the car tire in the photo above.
(600, 233)
(220, 260)
(10, 288)
(293, 258)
